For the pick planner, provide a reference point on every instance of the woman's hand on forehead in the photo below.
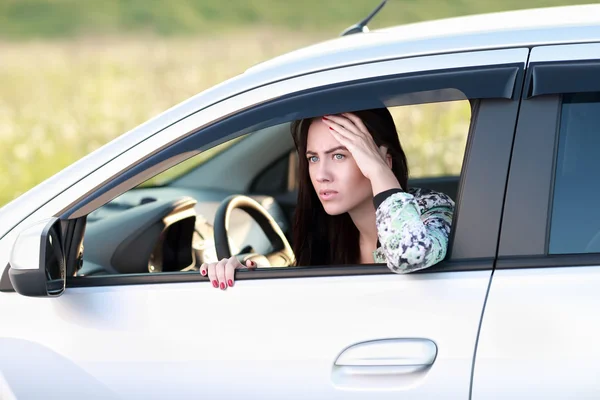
(351, 132)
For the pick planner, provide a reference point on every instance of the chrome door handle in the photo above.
(419, 353)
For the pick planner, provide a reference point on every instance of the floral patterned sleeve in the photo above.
(413, 229)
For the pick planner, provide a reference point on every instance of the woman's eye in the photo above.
(339, 156)
(313, 159)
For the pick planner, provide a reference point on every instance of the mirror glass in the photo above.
(54, 261)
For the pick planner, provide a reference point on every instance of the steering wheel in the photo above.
(283, 254)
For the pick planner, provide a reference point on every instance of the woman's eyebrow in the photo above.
(328, 151)
(336, 149)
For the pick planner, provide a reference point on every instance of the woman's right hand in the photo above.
(221, 274)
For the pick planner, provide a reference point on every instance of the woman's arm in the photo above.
(413, 230)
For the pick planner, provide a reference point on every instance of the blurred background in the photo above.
(75, 74)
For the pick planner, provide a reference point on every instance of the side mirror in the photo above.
(37, 262)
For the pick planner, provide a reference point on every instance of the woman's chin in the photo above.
(333, 209)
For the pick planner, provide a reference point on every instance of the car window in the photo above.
(575, 218)
(129, 234)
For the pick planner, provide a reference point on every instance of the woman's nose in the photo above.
(323, 172)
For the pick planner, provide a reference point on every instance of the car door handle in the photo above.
(386, 363)
(390, 352)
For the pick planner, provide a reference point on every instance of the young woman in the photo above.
(354, 204)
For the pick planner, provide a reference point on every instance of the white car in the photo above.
(101, 297)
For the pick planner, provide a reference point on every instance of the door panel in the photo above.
(539, 335)
(268, 339)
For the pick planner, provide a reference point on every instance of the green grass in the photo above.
(23, 19)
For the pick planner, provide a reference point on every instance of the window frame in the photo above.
(492, 128)
(525, 234)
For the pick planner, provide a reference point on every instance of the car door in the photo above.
(539, 334)
(337, 332)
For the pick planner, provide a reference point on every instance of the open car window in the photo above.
(174, 221)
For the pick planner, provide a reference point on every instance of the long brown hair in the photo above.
(323, 239)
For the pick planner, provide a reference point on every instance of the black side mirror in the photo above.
(37, 262)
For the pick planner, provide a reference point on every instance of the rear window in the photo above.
(575, 220)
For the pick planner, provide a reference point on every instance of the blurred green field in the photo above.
(76, 74)
(61, 100)
(68, 18)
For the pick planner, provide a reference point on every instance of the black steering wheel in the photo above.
(283, 254)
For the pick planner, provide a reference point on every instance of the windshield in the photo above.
(188, 165)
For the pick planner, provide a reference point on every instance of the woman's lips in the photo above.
(327, 194)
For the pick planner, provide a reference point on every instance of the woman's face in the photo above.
(336, 178)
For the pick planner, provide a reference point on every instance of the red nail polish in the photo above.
(325, 118)
(203, 273)
(222, 286)
(230, 282)
(215, 284)
(330, 128)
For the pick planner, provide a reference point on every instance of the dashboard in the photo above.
(168, 229)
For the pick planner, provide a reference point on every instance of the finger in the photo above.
(386, 156)
(344, 139)
(363, 137)
(204, 269)
(362, 127)
(250, 264)
(335, 120)
(230, 267)
(221, 273)
(212, 274)
(358, 123)
(347, 136)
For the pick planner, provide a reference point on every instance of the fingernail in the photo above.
(330, 128)
(222, 286)
(215, 284)
(252, 263)
(230, 282)
(203, 272)
(325, 118)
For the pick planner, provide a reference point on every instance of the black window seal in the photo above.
(559, 77)
(270, 274)
(549, 261)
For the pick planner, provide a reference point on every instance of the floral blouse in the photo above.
(412, 227)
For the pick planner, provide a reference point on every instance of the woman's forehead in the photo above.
(320, 138)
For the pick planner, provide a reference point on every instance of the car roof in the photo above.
(542, 26)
